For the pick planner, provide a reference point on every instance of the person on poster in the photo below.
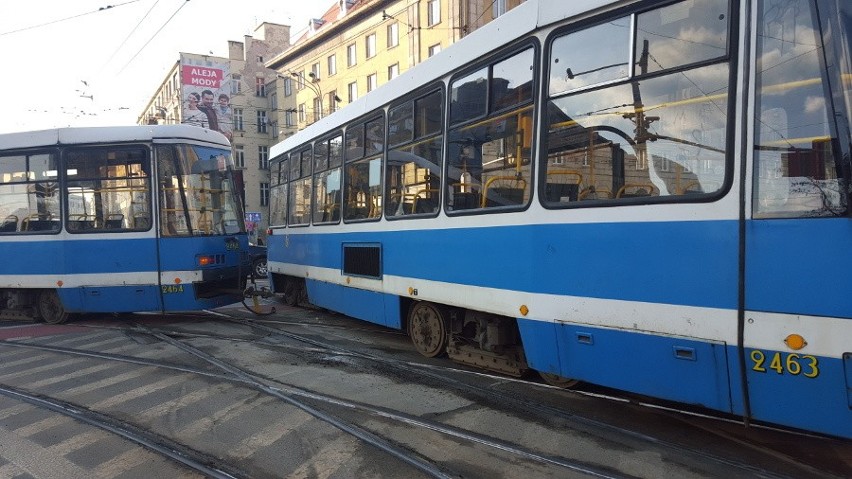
(224, 116)
(193, 115)
(209, 109)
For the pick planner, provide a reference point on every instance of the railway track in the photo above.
(390, 430)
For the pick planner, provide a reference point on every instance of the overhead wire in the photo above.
(153, 36)
(130, 34)
(52, 22)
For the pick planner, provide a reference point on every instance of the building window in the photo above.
(263, 156)
(274, 126)
(239, 156)
(236, 84)
(353, 91)
(301, 113)
(288, 118)
(261, 121)
(273, 101)
(332, 65)
(351, 55)
(393, 71)
(288, 87)
(238, 119)
(434, 49)
(315, 69)
(300, 81)
(498, 8)
(264, 194)
(372, 82)
(260, 86)
(370, 45)
(433, 13)
(317, 108)
(393, 35)
(332, 101)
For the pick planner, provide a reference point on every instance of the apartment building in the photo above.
(358, 45)
(231, 95)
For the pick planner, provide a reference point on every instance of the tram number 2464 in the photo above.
(793, 364)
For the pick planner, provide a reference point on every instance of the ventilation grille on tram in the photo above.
(362, 260)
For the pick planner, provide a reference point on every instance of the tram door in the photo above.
(798, 255)
(108, 219)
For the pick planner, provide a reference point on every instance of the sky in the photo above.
(98, 62)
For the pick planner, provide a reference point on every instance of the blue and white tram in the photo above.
(649, 195)
(119, 219)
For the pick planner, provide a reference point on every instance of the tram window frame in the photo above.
(300, 184)
(420, 107)
(716, 155)
(464, 192)
(102, 221)
(363, 205)
(323, 212)
(26, 178)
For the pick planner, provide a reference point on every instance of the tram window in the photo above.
(429, 114)
(107, 189)
(355, 142)
(305, 159)
(363, 189)
(413, 178)
(321, 155)
(197, 195)
(489, 160)
(326, 184)
(413, 174)
(512, 81)
(605, 145)
(573, 65)
(801, 104)
(278, 194)
(401, 124)
(683, 33)
(335, 151)
(29, 197)
(300, 188)
(489, 163)
(375, 131)
(469, 97)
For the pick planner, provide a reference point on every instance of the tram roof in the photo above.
(108, 134)
(513, 25)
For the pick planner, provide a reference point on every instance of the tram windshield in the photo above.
(198, 191)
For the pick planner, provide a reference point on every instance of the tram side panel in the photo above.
(798, 329)
(648, 308)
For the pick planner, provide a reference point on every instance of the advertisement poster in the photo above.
(205, 86)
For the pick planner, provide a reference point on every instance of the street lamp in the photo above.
(314, 86)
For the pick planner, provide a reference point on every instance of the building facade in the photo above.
(231, 95)
(358, 45)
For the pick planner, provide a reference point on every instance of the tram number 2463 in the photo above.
(793, 364)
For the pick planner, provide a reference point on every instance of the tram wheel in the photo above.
(50, 307)
(558, 381)
(427, 328)
(295, 292)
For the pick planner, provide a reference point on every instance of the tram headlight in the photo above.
(206, 260)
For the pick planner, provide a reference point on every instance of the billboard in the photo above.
(205, 86)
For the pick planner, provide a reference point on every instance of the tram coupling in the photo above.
(256, 293)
